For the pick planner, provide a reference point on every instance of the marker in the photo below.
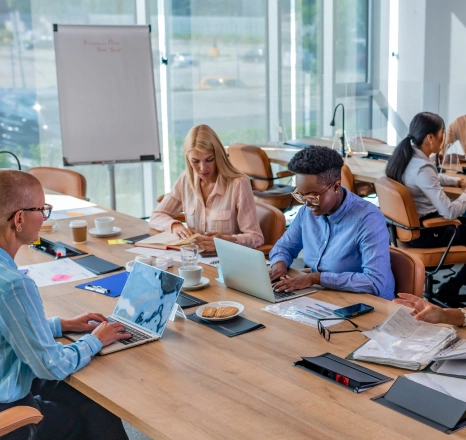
(97, 289)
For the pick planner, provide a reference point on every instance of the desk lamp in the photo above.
(332, 123)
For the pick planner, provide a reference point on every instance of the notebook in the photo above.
(165, 240)
(144, 306)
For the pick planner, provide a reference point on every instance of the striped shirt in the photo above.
(228, 210)
(27, 346)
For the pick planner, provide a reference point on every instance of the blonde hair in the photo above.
(205, 140)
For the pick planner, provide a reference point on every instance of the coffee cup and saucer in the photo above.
(104, 227)
(193, 279)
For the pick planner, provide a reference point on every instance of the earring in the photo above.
(19, 230)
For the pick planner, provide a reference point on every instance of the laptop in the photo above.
(245, 269)
(144, 306)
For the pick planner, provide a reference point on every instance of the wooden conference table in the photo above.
(364, 170)
(198, 384)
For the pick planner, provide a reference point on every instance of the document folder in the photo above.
(425, 405)
(343, 372)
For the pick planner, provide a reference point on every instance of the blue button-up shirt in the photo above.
(350, 248)
(27, 345)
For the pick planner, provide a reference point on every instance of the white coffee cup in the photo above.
(160, 261)
(191, 274)
(146, 259)
(104, 225)
(130, 265)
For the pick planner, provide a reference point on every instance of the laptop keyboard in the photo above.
(281, 295)
(137, 335)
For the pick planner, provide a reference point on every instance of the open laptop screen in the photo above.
(148, 297)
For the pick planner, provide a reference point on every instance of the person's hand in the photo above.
(81, 323)
(278, 270)
(206, 242)
(181, 231)
(108, 332)
(423, 310)
(290, 284)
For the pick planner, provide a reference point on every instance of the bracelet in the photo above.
(236, 238)
(464, 313)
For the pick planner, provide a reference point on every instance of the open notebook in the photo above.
(165, 240)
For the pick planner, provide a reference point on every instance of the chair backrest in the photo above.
(63, 181)
(374, 140)
(272, 222)
(252, 161)
(396, 204)
(408, 271)
(347, 179)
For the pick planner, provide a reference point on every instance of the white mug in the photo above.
(104, 225)
(146, 259)
(191, 274)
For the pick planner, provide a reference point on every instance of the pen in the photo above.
(320, 311)
(97, 289)
(325, 308)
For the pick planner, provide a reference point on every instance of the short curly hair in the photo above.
(323, 162)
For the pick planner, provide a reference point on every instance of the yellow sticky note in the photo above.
(120, 241)
(74, 214)
(37, 241)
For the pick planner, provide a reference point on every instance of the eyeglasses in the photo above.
(46, 211)
(325, 332)
(312, 200)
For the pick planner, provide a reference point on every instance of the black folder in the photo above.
(425, 405)
(232, 327)
(97, 265)
(342, 372)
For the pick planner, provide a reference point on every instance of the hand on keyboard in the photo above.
(109, 332)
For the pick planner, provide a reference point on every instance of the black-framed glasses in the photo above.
(312, 200)
(46, 211)
(325, 332)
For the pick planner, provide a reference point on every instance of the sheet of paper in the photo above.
(307, 311)
(73, 213)
(456, 351)
(57, 272)
(61, 202)
(452, 367)
(451, 386)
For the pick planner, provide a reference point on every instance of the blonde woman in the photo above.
(216, 198)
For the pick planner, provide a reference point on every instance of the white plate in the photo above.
(220, 304)
(204, 282)
(94, 233)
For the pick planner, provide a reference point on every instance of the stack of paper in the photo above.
(447, 385)
(403, 342)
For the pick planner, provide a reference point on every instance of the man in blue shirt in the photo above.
(344, 238)
(32, 363)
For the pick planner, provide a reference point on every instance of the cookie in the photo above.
(225, 312)
(209, 312)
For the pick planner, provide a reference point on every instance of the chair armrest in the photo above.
(286, 173)
(265, 248)
(17, 417)
(439, 222)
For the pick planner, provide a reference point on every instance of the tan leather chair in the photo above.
(254, 162)
(362, 189)
(272, 223)
(180, 217)
(371, 139)
(17, 417)
(408, 271)
(63, 181)
(398, 207)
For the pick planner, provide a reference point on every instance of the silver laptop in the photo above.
(144, 306)
(245, 269)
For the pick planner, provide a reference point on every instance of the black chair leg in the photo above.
(32, 432)
(428, 287)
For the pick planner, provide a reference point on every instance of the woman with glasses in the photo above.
(33, 365)
(216, 198)
(410, 165)
(344, 239)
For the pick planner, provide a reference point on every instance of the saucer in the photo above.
(204, 282)
(94, 233)
(218, 304)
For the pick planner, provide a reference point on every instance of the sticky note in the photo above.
(118, 241)
(61, 277)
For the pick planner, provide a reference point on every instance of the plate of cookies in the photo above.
(220, 310)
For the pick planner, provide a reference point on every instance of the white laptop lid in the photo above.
(244, 269)
(148, 297)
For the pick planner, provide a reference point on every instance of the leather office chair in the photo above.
(17, 417)
(254, 162)
(63, 181)
(399, 210)
(408, 271)
(272, 223)
(180, 217)
(362, 189)
(371, 139)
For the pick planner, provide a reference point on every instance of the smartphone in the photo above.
(354, 310)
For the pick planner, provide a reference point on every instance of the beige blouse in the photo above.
(228, 210)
